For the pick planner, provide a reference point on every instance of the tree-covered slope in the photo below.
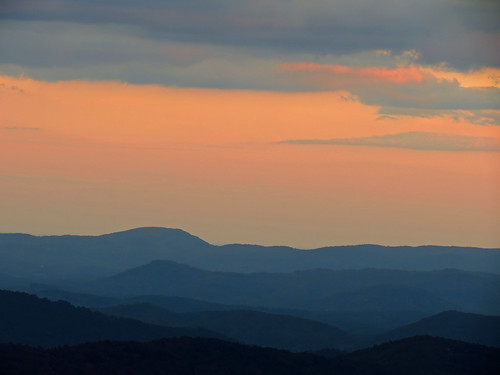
(27, 319)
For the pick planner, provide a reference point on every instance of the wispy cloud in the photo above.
(386, 117)
(153, 175)
(413, 141)
(20, 128)
(11, 88)
(478, 117)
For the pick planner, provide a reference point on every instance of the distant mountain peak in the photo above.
(157, 233)
(151, 231)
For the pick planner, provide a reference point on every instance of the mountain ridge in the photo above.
(351, 321)
(45, 258)
(467, 291)
(248, 327)
(27, 319)
(456, 325)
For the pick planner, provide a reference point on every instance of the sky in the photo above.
(276, 122)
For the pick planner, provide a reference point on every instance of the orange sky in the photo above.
(94, 157)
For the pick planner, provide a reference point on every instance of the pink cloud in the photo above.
(407, 89)
(399, 75)
(313, 67)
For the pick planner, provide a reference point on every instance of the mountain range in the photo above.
(42, 258)
(318, 289)
(26, 319)
(473, 328)
(403, 305)
(29, 320)
(359, 322)
(249, 327)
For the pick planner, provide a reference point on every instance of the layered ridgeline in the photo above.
(359, 322)
(319, 289)
(330, 298)
(473, 328)
(26, 319)
(29, 320)
(250, 327)
(361, 302)
(287, 332)
(85, 257)
(368, 326)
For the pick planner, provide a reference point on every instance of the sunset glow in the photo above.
(386, 147)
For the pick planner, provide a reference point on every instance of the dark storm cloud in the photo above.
(460, 33)
(60, 44)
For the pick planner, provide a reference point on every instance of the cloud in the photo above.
(386, 117)
(399, 75)
(409, 89)
(63, 44)
(39, 179)
(236, 44)
(376, 51)
(458, 32)
(14, 88)
(20, 128)
(56, 51)
(477, 117)
(412, 140)
(144, 174)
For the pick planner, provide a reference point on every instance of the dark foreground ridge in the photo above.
(419, 355)
(26, 319)
(473, 328)
(29, 320)
(249, 327)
